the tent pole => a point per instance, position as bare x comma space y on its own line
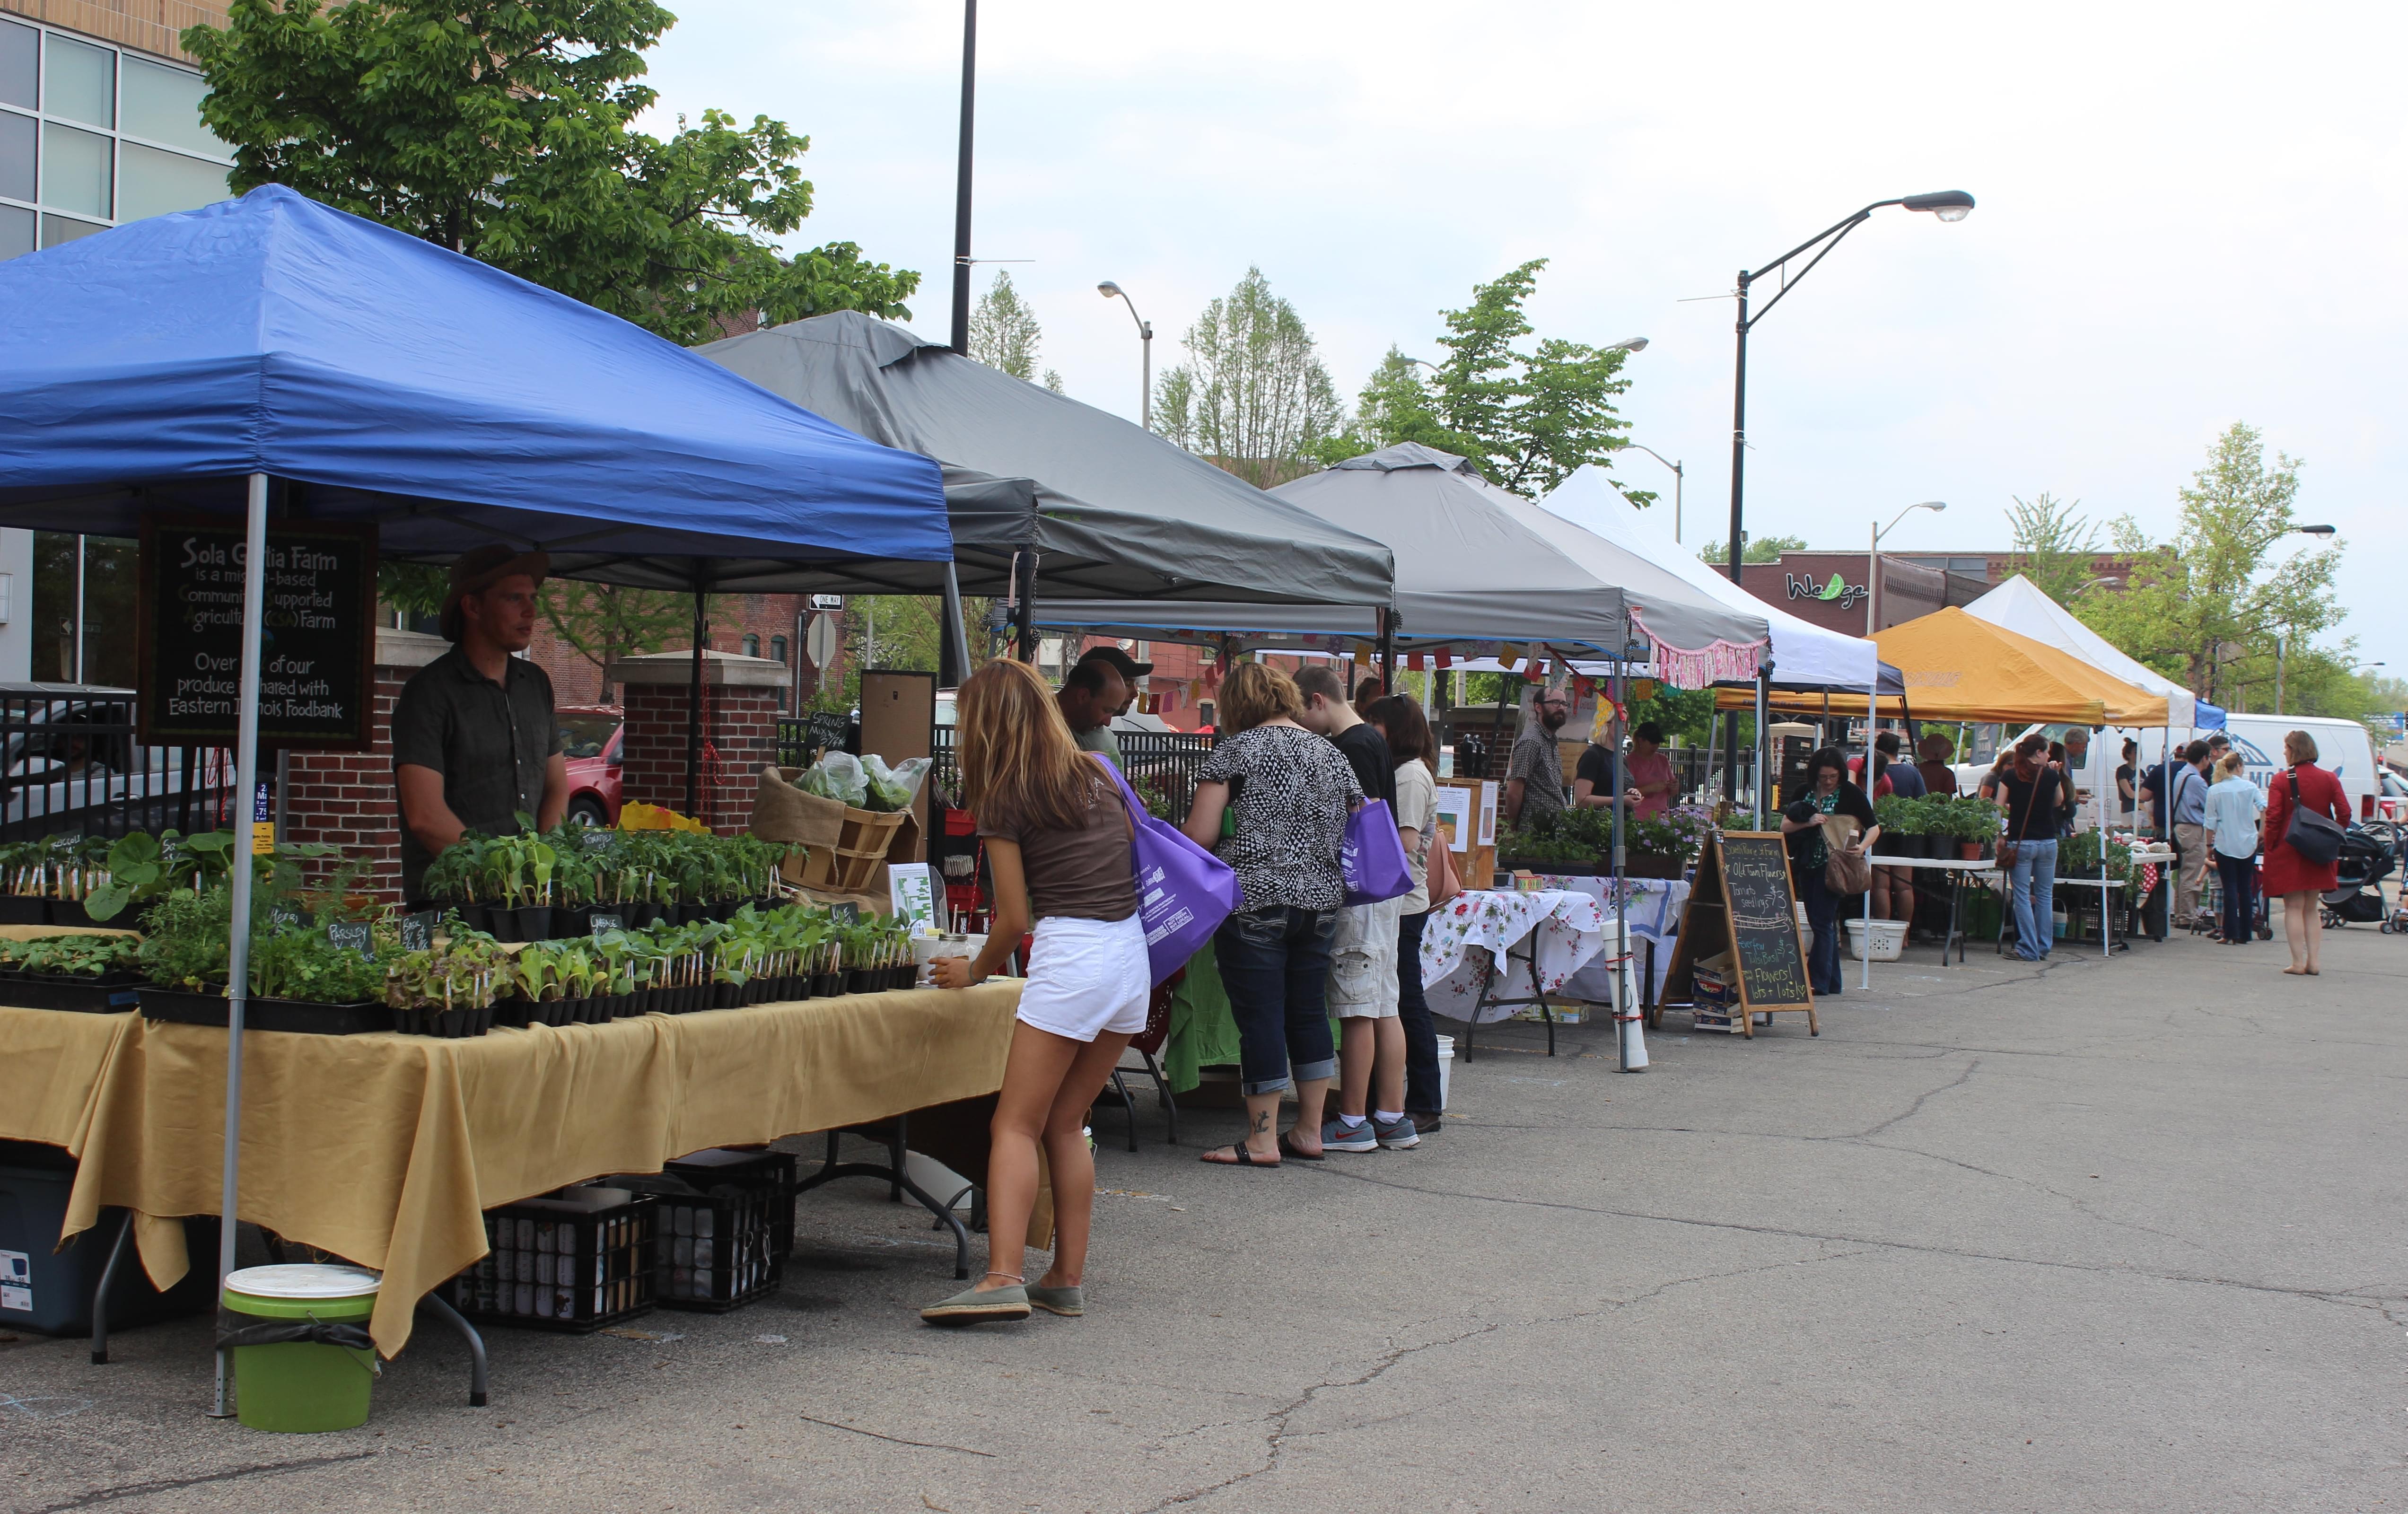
245, 785
1763, 743
693, 713
1024, 617
1872, 708
956, 644
1387, 653
1621, 897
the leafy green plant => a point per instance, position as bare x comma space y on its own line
72, 956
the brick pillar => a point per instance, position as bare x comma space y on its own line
346, 798
742, 697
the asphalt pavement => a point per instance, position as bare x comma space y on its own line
2072, 1237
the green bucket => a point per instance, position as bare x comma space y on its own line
302, 1386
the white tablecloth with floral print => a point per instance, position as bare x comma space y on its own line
1653, 906
1469, 933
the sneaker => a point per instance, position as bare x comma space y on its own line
1397, 1135
1424, 1122
1335, 1135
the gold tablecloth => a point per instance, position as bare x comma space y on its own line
387, 1148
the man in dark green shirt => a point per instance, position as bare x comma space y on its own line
474, 741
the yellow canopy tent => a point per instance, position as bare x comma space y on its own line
1960, 668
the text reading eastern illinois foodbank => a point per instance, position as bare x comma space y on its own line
208, 603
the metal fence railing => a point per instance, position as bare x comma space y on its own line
71, 764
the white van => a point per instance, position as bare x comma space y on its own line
2344, 748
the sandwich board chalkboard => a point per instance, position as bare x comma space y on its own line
1743, 903
317, 639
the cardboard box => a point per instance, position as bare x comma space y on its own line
1473, 803
848, 848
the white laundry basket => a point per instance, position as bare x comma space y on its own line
1889, 938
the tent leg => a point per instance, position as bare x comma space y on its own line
1387, 653
694, 712
1763, 743
1023, 617
246, 783
1872, 710
1621, 898
956, 635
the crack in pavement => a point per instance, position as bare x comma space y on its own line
2320, 1295
1278, 1435
1912, 1109
140, 1490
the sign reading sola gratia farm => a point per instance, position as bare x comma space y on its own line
317, 640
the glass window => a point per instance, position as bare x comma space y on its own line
58, 229
778, 648
751, 646
16, 231
16, 156
151, 183
19, 63
164, 104
80, 79
75, 170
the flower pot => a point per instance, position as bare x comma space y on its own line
726, 995
902, 975
860, 980
826, 985
1968, 851
69, 912
455, 1024
572, 922
535, 922
502, 924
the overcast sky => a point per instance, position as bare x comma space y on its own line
2188, 214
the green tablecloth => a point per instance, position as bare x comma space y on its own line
1203, 1033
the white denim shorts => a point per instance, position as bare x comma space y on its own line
1363, 961
1087, 977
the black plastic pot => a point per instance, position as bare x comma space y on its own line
69, 912
24, 910
860, 980
535, 922
572, 922
826, 985
726, 995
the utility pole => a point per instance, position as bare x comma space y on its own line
962, 181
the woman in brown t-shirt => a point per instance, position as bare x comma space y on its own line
1058, 849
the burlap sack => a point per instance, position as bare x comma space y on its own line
782, 812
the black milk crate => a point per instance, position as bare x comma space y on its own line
726, 1227
574, 1263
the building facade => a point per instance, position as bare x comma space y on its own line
1834, 590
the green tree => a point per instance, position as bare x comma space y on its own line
1253, 394
1394, 405
2056, 545
1759, 549
1526, 420
499, 129
2205, 608
1004, 333
604, 621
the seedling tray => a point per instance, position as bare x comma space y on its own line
112, 993
180, 1007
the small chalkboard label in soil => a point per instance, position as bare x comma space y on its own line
283, 916
845, 912
593, 840
317, 633
604, 924
418, 931
352, 934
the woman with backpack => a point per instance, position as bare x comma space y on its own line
2303, 790
1057, 836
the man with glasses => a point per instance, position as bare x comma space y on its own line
1534, 778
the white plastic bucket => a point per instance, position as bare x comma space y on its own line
1889, 938
1445, 1071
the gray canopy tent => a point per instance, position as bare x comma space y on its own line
1111, 510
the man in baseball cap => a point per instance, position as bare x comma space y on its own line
1100, 737
474, 741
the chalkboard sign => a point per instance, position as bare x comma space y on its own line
354, 935
418, 931
603, 924
1743, 905
316, 635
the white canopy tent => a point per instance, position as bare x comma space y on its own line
1803, 653
2019, 606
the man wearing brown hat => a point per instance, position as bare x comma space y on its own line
474, 742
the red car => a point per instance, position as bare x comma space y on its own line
594, 732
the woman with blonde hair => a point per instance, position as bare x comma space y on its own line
1058, 837
1286, 794
2303, 785
2233, 808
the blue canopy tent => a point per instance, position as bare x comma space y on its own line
271, 346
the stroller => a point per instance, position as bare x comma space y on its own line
2357, 899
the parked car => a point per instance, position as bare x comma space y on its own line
69, 765
594, 732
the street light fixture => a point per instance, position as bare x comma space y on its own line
1145, 342
2324, 531
1945, 205
1872, 561
1678, 475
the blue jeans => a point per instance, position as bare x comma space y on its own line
1823, 914
1275, 964
1421, 1031
2031, 883
2239, 875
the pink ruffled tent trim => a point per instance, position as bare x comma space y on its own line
1721, 661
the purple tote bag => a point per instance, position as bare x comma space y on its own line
1372, 858
1183, 892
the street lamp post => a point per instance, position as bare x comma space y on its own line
1872, 561
1947, 204
1145, 343
1678, 475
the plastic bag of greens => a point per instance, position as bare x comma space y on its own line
893, 788
837, 776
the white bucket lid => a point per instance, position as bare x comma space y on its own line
303, 1279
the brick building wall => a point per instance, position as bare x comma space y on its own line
346, 798
151, 26
743, 699
766, 618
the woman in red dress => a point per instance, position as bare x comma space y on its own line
2288, 874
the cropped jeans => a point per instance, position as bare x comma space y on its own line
1274, 962
2031, 883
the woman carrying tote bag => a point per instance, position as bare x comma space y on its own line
2296, 801
2033, 790
1829, 792
1058, 850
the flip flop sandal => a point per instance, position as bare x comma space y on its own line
1244, 1158
1289, 1149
